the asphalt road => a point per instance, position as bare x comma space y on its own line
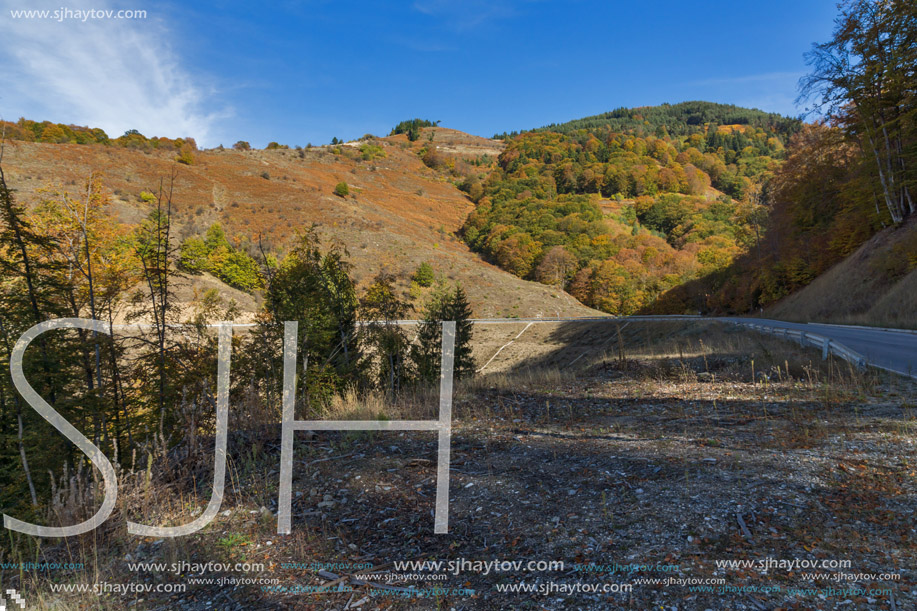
889, 349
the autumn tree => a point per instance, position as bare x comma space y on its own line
864, 78
382, 308
556, 267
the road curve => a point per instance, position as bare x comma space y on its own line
890, 349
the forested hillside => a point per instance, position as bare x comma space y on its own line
681, 119
846, 177
621, 207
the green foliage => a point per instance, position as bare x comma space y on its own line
194, 255
341, 189
424, 275
313, 286
382, 307
412, 128
240, 270
426, 352
654, 176
371, 151
214, 254
682, 119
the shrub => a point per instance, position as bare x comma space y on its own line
185, 155
242, 145
341, 189
423, 275
433, 158
213, 253
371, 151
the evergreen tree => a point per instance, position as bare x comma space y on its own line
458, 309
426, 353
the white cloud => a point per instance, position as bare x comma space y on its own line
117, 74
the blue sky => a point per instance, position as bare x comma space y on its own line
306, 71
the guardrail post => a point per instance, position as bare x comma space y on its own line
826, 349
802, 338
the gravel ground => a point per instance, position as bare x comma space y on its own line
645, 478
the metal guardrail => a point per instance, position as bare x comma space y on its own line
864, 327
609, 318
827, 345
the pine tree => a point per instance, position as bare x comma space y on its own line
459, 310
426, 353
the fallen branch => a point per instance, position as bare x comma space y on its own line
745, 531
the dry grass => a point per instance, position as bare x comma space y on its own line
401, 212
876, 285
631, 430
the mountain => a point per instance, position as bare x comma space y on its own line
825, 246
399, 212
619, 208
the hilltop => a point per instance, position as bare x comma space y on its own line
682, 119
690, 207
609, 211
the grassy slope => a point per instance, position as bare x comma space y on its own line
865, 288
399, 214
